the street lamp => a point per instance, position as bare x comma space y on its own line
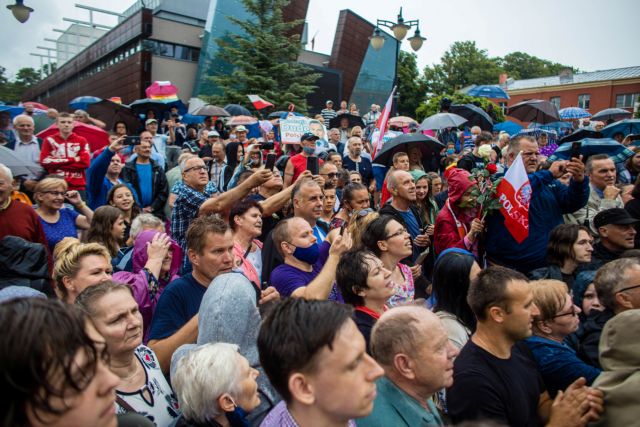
20, 11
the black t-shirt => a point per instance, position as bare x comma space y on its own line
503, 390
469, 162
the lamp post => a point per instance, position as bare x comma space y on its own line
399, 30
20, 11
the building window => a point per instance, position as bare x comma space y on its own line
627, 100
503, 107
583, 101
555, 100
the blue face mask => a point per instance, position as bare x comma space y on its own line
309, 150
450, 151
309, 255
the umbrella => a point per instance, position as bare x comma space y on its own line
35, 105
16, 164
242, 120
488, 91
579, 135
534, 110
162, 89
553, 125
237, 110
401, 121
190, 119
277, 115
475, 115
612, 114
83, 102
41, 122
141, 106
13, 110
590, 146
571, 113
96, 137
507, 126
111, 112
427, 144
625, 127
208, 110
353, 121
441, 121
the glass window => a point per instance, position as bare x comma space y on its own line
555, 100
182, 52
583, 101
627, 100
503, 107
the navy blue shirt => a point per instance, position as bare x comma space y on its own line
364, 167
145, 180
179, 302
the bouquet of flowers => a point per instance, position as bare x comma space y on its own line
485, 191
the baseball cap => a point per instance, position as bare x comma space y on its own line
213, 133
617, 216
149, 121
329, 101
309, 137
240, 128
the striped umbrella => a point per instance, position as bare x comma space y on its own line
571, 113
591, 146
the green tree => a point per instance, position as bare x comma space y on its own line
411, 86
264, 59
11, 90
520, 65
432, 106
462, 65
27, 77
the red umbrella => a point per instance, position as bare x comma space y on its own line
35, 105
96, 137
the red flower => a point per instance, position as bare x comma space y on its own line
492, 168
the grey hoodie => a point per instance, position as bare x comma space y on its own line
228, 313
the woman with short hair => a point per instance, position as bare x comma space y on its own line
214, 384
558, 363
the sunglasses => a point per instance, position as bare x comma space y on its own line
330, 175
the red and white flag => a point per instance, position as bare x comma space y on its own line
381, 124
258, 102
514, 194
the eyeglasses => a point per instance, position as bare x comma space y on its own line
572, 313
330, 175
400, 232
196, 168
55, 193
628, 288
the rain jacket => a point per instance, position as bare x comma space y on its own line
24, 263
142, 283
620, 379
229, 313
449, 234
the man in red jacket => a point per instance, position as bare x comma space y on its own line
66, 154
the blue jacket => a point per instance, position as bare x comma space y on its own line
98, 185
559, 364
549, 201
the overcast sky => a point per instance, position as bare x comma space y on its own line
588, 34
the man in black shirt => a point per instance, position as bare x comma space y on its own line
473, 160
494, 375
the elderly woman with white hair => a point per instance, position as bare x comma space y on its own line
215, 386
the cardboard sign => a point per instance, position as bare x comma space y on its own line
292, 128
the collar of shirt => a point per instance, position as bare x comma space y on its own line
34, 140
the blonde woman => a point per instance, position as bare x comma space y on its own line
58, 221
78, 266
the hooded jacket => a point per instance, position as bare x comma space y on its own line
447, 235
229, 313
139, 281
620, 379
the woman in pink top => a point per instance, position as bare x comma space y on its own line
245, 219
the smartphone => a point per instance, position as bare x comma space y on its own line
271, 161
342, 227
312, 165
132, 140
575, 149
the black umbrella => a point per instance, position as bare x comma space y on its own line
277, 115
534, 110
475, 115
111, 112
353, 121
237, 110
611, 114
209, 110
141, 106
579, 135
427, 144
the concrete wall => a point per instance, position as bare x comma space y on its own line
175, 32
182, 74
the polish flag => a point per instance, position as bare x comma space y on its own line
514, 194
382, 123
258, 102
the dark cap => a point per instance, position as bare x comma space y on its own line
309, 137
617, 216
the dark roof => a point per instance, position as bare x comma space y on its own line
592, 76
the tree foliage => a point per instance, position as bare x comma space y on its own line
432, 106
11, 90
411, 86
520, 65
264, 59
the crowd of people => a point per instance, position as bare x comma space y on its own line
179, 278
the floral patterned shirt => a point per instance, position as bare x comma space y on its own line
404, 292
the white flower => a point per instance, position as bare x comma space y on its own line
484, 151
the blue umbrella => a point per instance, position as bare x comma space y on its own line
13, 110
190, 119
488, 91
591, 146
570, 113
83, 102
624, 127
237, 110
507, 126
552, 136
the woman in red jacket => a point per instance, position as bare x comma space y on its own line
457, 225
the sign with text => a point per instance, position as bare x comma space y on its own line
292, 128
